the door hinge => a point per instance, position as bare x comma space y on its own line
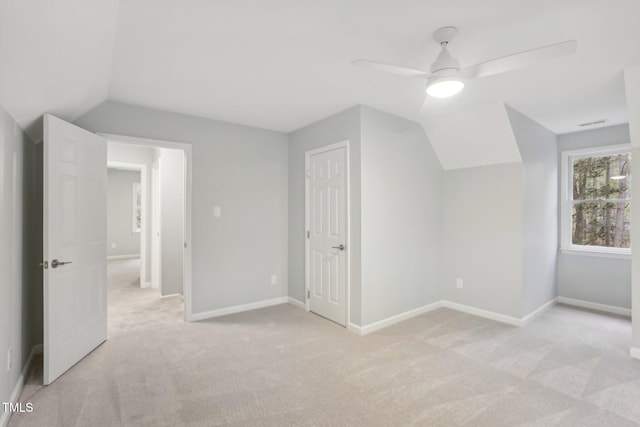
308, 234
308, 294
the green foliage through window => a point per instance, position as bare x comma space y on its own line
601, 201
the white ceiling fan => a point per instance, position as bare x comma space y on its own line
446, 78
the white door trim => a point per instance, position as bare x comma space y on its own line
307, 155
156, 224
187, 149
144, 211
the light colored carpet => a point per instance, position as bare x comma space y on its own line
282, 366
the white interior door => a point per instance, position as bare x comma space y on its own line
75, 247
327, 232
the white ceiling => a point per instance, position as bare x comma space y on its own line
282, 64
55, 56
461, 147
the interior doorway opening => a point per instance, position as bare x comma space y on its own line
157, 215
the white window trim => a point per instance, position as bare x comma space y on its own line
136, 186
566, 246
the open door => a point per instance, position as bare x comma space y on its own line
75, 258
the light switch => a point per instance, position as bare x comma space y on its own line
216, 212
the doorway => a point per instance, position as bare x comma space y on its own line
126, 214
327, 231
75, 241
157, 209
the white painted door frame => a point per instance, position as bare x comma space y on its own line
156, 225
144, 212
188, 158
307, 156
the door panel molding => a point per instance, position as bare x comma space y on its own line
75, 234
326, 265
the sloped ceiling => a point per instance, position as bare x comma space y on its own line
55, 56
282, 64
476, 137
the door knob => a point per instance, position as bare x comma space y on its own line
55, 263
341, 247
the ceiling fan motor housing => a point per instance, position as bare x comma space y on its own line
444, 61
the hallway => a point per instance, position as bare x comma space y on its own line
133, 309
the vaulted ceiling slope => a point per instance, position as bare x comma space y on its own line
282, 64
55, 56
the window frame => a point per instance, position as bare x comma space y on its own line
566, 204
136, 207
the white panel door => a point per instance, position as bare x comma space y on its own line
327, 232
75, 247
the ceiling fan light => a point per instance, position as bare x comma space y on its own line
444, 87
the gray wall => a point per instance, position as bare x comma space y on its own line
239, 168
401, 217
483, 237
172, 202
20, 297
119, 213
594, 279
339, 127
538, 148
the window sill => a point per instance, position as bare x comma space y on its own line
595, 253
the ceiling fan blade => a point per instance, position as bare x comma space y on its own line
520, 60
393, 69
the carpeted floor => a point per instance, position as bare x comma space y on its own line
281, 366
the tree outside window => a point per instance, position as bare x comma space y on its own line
600, 200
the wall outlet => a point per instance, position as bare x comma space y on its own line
113, 246
274, 279
217, 212
459, 284
9, 359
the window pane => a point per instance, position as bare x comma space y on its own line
602, 177
601, 224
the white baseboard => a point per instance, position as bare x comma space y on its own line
381, 324
117, 257
595, 306
352, 327
145, 285
15, 395
297, 303
238, 308
173, 296
634, 352
376, 326
537, 312
510, 320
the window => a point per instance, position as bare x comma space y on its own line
596, 200
137, 208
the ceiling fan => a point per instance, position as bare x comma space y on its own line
446, 78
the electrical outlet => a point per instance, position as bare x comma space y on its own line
113, 246
217, 212
274, 279
459, 284
9, 359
